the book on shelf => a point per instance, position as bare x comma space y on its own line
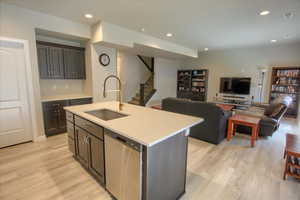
288, 72
284, 89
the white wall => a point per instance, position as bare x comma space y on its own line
165, 79
113, 34
99, 72
21, 23
132, 73
244, 62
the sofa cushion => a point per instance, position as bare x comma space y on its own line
277, 111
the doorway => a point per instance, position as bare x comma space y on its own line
15, 114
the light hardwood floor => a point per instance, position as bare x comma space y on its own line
229, 171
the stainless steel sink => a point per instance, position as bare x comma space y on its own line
106, 114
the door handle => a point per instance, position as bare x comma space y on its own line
87, 139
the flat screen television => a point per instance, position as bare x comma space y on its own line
240, 86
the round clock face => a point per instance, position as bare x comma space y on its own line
104, 59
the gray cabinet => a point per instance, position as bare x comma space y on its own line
55, 62
82, 146
96, 156
74, 61
43, 61
90, 148
74, 102
60, 62
55, 115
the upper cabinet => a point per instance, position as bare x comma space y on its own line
74, 64
60, 62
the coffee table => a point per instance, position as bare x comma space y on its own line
244, 120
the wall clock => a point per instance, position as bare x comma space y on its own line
104, 59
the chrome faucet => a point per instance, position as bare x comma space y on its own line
119, 91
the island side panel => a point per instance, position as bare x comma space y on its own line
164, 169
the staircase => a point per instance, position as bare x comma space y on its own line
146, 90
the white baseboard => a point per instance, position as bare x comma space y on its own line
39, 138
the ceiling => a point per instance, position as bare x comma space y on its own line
195, 23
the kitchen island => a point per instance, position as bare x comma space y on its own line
136, 153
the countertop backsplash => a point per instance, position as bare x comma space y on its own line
61, 87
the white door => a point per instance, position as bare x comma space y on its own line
14, 108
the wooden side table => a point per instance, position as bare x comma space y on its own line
244, 120
158, 107
292, 155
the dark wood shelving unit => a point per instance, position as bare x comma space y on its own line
286, 82
192, 84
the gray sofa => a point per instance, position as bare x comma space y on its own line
213, 129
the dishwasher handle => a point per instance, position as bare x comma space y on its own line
120, 139
126, 141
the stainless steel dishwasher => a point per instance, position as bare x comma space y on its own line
123, 167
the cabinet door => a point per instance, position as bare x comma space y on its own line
82, 146
72, 147
43, 61
96, 157
62, 121
74, 64
81, 64
56, 62
51, 118
54, 117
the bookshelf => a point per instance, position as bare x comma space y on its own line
285, 81
192, 84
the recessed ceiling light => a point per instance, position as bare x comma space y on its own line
169, 34
273, 41
205, 49
89, 16
142, 29
264, 13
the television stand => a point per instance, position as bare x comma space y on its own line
239, 102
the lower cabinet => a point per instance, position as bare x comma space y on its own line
82, 146
96, 156
90, 153
55, 115
72, 147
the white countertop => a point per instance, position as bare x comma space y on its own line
64, 97
146, 126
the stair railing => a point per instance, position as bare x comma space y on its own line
142, 94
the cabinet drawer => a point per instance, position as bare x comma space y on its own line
69, 116
89, 126
70, 130
74, 102
71, 143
